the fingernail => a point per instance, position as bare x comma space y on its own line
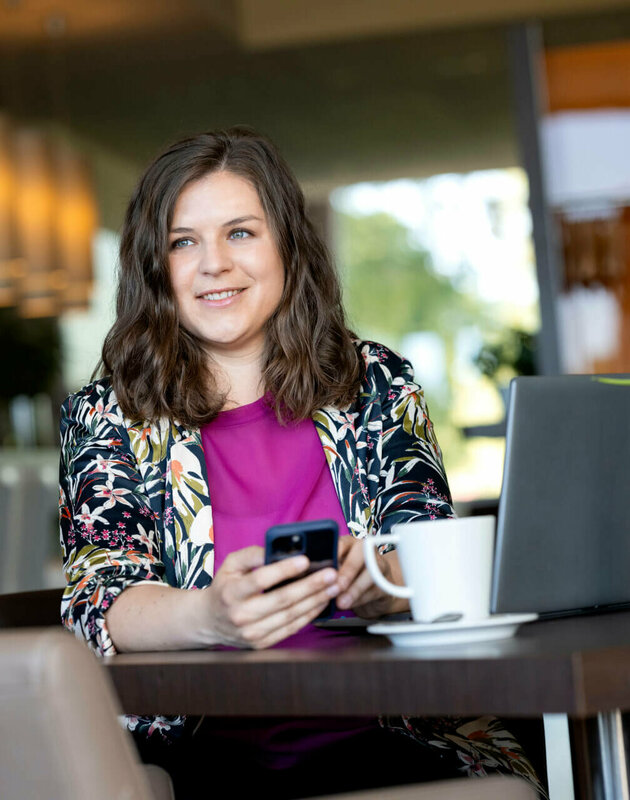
344, 601
329, 576
301, 563
332, 591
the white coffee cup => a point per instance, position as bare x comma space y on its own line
446, 565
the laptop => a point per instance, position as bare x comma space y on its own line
563, 527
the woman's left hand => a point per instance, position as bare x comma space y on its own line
357, 589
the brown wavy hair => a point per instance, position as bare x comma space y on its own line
160, 369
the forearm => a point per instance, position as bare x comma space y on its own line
157, 617
249, 604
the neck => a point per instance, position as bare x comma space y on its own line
239, 376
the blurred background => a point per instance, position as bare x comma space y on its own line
467, 163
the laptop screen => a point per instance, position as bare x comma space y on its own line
563, 530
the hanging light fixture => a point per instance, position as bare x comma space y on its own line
48, 218
35, 217
76, 220
11, 266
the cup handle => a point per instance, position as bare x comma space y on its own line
369, 543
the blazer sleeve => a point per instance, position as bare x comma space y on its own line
413, 484
110, 536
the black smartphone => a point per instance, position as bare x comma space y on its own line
316, 539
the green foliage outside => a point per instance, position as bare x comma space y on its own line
391, 290
390, 282
502, 359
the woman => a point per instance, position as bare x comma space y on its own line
234, 397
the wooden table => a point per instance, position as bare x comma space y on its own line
579, 666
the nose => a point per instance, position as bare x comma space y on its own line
215, 258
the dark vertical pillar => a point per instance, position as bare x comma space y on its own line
525, 42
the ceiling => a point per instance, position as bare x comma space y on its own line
260, 24
353, 90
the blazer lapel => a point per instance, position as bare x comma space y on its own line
172, 454
341, 439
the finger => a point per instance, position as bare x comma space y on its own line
371, 598
244, 560
283, 633
280, 634
286, 597
265, 577
352, 565
343, 545
289, 620
389, 567
358, 591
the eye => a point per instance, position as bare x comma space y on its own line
178, 244
240, 233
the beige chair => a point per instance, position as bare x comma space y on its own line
59, 732
497, 787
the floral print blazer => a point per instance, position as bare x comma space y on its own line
134, 499
135, 506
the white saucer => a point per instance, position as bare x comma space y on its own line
412, 634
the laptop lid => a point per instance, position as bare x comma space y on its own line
563, 529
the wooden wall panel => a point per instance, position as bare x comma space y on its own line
588, 76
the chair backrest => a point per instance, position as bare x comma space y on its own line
61, 739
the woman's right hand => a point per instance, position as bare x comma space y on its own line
237, 610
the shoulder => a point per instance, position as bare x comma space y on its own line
96, 400
97, 393
383, 366
96, 408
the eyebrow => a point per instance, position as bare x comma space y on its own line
240, 220
228, 224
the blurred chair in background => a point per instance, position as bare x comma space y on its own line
28, 522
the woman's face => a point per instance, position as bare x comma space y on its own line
226, 271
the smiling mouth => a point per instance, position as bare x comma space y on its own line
220, 295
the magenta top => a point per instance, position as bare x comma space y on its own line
260, 474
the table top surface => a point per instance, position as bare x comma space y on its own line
575, 665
